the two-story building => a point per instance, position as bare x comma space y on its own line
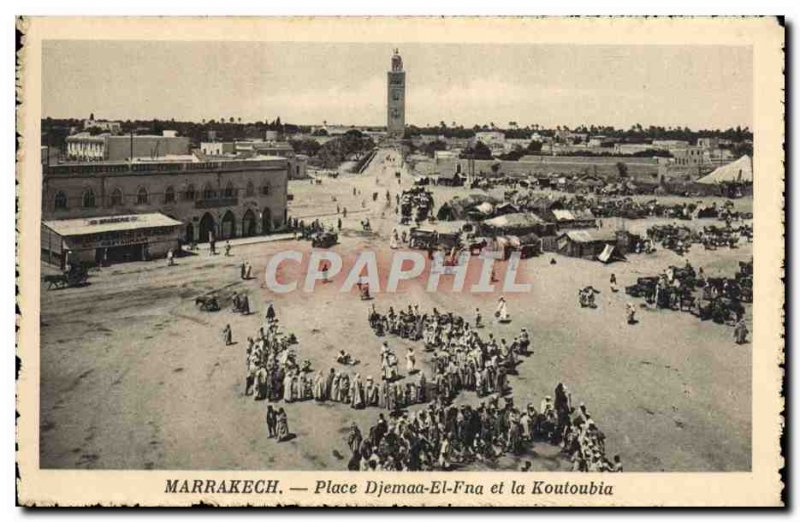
217, 199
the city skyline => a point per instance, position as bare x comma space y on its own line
697, 87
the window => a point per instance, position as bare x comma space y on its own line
208, 192
61, 201
251, 190
229, 190
189, 194
88, 199
116, 198
265, 190
169, 195
141, 196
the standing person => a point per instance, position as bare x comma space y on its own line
354, 438
170, 257
245, 305
212, 244
339, 223
613, 282
502, 310
242, 270
227, 335
227, 248
282, 425
411, 361
478, 318
262, 377
319, 387
270, 313
325, 267
740, 332
287, 387
272, 421
250, 380
631, 312
248, 272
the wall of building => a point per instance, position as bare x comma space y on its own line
244, 212
646, 168
118, 148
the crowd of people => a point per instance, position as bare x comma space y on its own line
440, 435
462, 359
445, 437
709, 298
274, 374
415, 203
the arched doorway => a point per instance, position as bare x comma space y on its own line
228, 228
266, 221
207, 226
249, 223
189, 233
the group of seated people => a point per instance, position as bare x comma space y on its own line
442, 436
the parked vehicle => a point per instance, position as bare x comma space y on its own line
324, 239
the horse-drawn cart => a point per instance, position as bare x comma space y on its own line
77, 275
324, 239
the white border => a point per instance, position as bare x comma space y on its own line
788, 8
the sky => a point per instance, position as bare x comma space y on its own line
308, 83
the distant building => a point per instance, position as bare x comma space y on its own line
107, 147
113, 127
708, 143
689, 156
396, 97
669, 145
492, 139
298, 164
631, 148
512, 143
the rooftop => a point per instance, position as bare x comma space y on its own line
103, 224
180, 163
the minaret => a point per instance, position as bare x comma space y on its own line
396, 100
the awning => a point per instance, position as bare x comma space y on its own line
609, 254
104, 224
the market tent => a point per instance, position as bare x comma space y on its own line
485, 208
739, 171
462, 208
610, 254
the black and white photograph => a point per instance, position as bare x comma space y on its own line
405, 258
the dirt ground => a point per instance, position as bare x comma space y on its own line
134, 376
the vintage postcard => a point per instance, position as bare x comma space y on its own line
400, 261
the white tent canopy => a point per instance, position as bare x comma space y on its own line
610, 254
739, 171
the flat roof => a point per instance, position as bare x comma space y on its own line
102, 224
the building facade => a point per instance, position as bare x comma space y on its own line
298, 163
106, 147
396, 99
689, 156
223, 199
114, 127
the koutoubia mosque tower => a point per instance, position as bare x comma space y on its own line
396, 101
